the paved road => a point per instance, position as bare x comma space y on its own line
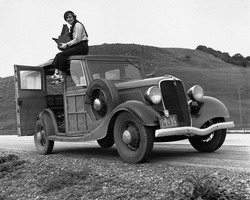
234, 154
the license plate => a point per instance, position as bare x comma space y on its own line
167, 122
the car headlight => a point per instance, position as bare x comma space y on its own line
153, 95
195, 93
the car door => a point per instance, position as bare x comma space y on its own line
30, 97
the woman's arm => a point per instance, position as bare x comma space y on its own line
77, 34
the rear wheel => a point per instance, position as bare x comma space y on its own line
211, 142
133, 140
43, 145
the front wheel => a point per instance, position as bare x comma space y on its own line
211, 142
43, 145
133, 140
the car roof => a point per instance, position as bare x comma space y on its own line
48, 64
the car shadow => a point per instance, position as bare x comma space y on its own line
161, 152
87, 152
172, 153
177, 152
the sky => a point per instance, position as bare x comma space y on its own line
27, 26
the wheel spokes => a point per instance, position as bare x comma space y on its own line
209, 137
131, 136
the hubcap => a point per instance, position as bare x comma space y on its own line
126, 136
41, 137
97, 105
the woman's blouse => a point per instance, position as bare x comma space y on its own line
79, 34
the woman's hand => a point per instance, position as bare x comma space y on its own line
63, 46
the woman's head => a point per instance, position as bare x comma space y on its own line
69, 17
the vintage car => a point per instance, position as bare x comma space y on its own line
109, 99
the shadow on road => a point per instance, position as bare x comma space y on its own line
159, 153
88, 152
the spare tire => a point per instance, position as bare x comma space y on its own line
102, 97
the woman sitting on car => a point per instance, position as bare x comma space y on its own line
78, 45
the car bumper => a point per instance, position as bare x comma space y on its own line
191, 131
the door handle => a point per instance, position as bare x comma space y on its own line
19, 102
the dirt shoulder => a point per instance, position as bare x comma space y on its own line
32, 176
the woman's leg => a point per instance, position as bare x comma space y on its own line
60, 60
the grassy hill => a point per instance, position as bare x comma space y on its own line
7, 105
227, 82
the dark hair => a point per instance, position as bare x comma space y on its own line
68, 13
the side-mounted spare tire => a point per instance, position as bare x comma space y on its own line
102, 97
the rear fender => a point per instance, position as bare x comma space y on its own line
48, 118
209, 108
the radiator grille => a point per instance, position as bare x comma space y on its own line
174, 100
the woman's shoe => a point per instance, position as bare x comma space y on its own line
56, 76
57, 81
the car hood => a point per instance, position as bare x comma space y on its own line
143, 82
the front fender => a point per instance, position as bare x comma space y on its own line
145, 113
210, 107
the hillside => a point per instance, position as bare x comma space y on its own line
222, 80
236, 59
7, 105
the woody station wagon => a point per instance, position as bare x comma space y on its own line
109, 99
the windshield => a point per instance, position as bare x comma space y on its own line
115, 71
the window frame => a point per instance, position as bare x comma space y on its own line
21, 78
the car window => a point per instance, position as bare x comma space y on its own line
77, 73
132, 72
113, 74
114, 71
30, 80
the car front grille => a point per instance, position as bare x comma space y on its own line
175, 101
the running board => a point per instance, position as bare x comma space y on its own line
79, 138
